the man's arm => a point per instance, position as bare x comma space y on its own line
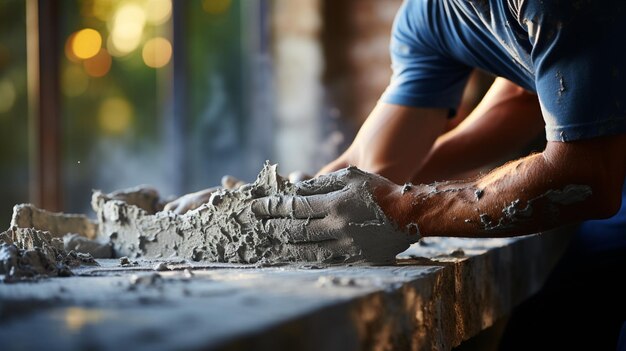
567, 182
506, 120
393, 141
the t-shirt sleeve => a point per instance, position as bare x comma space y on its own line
423, 75
579, 57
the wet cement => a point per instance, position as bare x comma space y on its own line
131, 224
57, 224
27, 253
79, 243
42, 244
227, 229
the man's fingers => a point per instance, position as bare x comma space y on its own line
178, 207
169, 207
298, 207
190, 201
323, 184
172, 205
185, 207
316, 230
297, 231
229, 182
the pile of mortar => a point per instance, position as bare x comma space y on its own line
131, 223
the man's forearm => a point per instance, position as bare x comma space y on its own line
393, 141
562, 185
505, 121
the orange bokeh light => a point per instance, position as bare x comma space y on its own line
157, 52
86, 43
69, 53
98, 65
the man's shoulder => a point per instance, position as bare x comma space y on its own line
432, 17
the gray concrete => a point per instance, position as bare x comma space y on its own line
432, 302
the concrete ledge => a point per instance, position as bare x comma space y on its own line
438, 295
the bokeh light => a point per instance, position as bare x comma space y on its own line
127, 28
86, 43
102, 9
7, 95
115, 115
158, 11
215, 7
74, 81
77, 318
112, 50
157, 52
69, 51
99, 65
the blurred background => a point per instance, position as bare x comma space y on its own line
106, 94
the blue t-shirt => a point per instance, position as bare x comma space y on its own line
572, 53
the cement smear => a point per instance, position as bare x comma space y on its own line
58, 224
514, 213
46, 244
227, 230
78, 243
140, 196
27, 253
331, 219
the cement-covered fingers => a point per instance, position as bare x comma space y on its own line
334, 211
338, 180
315, 198
347, 190
331, 182
295, 207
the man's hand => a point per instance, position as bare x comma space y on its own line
339, 211
194, 200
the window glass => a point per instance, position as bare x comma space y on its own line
13, 108
131, 116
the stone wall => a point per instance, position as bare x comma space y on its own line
356, 50
298, 64
332, 64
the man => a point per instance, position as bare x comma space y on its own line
572, 55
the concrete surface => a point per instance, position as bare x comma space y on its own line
437, 295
